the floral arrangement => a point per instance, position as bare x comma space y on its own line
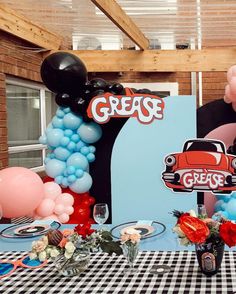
68, 241
193, 229
130, 237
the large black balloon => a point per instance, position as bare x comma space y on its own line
64, 72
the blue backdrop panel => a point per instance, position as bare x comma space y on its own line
137, 164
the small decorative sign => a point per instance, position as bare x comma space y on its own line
145, 107
203, 165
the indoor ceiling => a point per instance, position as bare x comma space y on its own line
165, 22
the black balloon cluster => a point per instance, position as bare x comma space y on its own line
66, 75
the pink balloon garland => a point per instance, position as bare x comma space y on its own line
230, 89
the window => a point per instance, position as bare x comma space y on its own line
30, 107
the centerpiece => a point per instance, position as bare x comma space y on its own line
208, 235
70, 249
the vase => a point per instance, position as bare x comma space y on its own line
209, 256
73, 266
130, 252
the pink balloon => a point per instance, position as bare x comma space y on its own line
230, 96
63, 218
231, 72
21, 191
51, 217
69, 210
232, 85
65, 198
59, 209
52, 190
46, 207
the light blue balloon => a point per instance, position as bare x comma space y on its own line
92, 149
224, 214
60, 113
84, 150
75, 138
83, 184
66, 110
55, 168
90, 132
79, 173
54, 137
218, 205
46, 160
58, 180
57, 122
52, 156
64, 141
65, 174
72, 121
49, 127
62, 153
233, 195
70, 170
71, 146
78, 161
79, 145
68, 133
71, 179
91, 157
64, 182
43, 139
230, 207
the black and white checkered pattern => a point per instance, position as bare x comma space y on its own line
105, 275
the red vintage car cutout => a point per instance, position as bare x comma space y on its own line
202, 166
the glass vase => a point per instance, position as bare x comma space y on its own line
73, 266
209, 256
130, 252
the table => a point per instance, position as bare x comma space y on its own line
105, 275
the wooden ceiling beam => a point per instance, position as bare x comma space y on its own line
118, 16
211, 59
21, 27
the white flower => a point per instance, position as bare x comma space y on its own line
33, 255
184, 241
178, 231
67, 255
192, 213
54, 253
42, 256
48, 250
70, 247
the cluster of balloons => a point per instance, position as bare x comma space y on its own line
23, 193
55, 204
66, 75
68, 138
226, 206
82, 205
230, 89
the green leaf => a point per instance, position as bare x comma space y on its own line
106, 235
111, 247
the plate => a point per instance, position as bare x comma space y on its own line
32, 230
143, 230
28, 230
147, 231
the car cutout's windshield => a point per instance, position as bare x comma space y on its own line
203, 146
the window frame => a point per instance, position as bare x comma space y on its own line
42, 93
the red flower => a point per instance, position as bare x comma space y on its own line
194, 228
228, 233
84, 230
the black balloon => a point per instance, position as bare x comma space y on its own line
117, 88
97, 84
64, 72
63, 100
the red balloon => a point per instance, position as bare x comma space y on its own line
47, 179
91, 200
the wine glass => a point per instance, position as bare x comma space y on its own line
100, 213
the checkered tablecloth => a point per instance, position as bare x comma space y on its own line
105, 275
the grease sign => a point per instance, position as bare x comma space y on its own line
144, 107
